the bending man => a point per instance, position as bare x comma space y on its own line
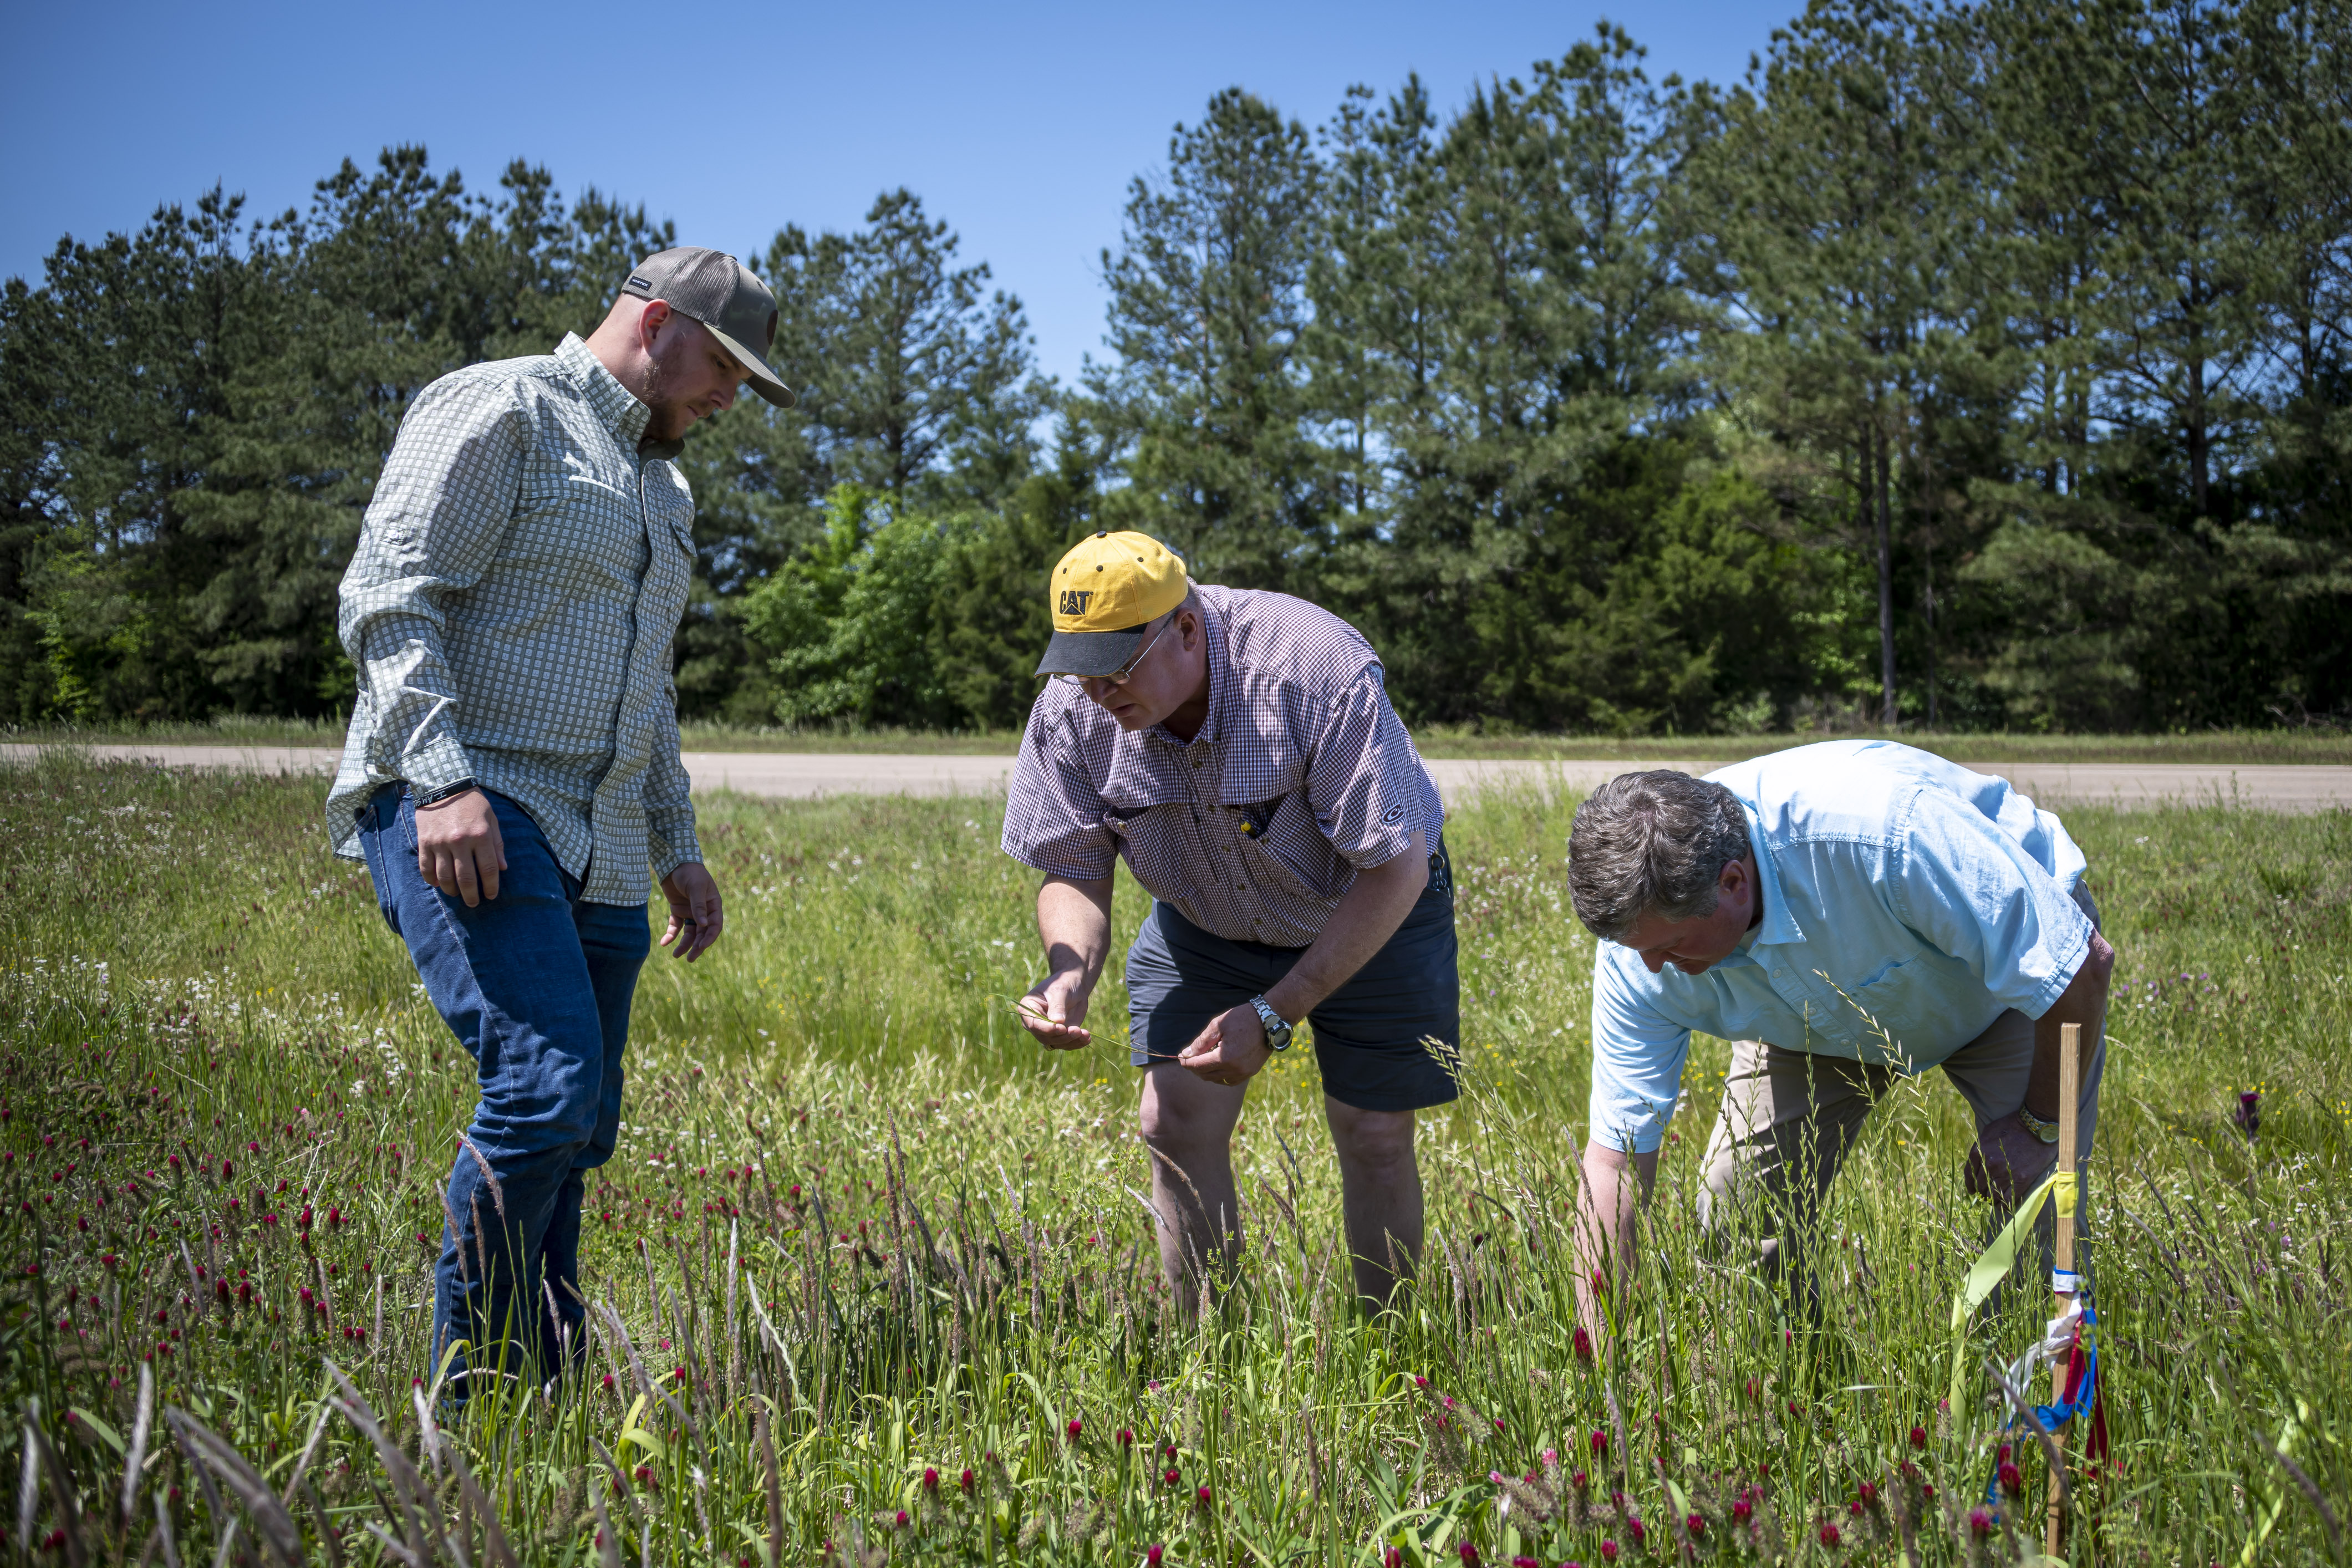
512, 776
1844, 913
1238, 749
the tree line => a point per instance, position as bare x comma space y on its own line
1970, 365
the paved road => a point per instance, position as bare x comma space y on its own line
808, 775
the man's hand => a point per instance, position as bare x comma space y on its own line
459, 850
1055, 1007
1614, 1186
2008, 1161
1074, 923
695, 918
1231, 1049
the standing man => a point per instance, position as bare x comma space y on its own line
1238, 749
1845, 913
512, 778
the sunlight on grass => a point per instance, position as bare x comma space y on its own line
854, 1206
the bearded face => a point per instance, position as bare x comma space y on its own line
688, 377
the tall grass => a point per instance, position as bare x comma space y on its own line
873, 1277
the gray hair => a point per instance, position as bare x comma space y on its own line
1652, 843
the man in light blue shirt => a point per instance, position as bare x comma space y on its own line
1844, 913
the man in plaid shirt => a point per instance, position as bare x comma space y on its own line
511, 776
1238, 749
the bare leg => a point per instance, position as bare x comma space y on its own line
1380, 1195
1188, 1125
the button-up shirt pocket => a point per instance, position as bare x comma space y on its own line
1290, 854
1872, 1014
1161, 847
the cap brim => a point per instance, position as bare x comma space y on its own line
764, 382
1091, 654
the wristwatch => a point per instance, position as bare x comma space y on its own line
2045, 1130
446, 792
1277, 1029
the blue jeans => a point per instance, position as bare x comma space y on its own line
536, 984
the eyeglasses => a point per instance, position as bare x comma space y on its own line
1125, 672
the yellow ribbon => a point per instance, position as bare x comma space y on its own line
1994, 1265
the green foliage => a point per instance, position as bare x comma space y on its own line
1980, 365
907, 617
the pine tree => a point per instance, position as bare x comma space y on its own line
1208, 307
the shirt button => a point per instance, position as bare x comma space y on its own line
1779, 973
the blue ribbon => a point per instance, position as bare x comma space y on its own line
2053, 1416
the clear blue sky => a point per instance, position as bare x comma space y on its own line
1021, 124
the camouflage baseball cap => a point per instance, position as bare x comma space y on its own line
721, 292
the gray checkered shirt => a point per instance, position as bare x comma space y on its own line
1253, 829
518, 578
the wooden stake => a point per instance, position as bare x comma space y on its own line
2070, 1094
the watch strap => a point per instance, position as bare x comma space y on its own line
1277, 1028
2045, 1130
448, 791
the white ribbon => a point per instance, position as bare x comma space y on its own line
2057, 1340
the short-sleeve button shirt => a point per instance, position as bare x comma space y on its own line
520, 574
1301, 774
1908, 902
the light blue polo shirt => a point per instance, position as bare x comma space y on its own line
1908, 903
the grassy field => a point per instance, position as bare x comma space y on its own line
858, 1223
2210, 747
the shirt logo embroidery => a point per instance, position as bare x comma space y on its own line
1391, 817
1074, 600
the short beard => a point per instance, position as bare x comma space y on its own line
668, 423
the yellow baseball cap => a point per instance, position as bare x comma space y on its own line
1104, 593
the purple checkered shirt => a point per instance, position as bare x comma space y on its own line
1301, 774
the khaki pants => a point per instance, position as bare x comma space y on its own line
1790, 1117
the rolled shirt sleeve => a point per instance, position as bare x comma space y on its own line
1052, 813
1637, 1058
1365, 780
1972, 891
446, 501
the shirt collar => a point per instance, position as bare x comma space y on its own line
1778, 924
620, 410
